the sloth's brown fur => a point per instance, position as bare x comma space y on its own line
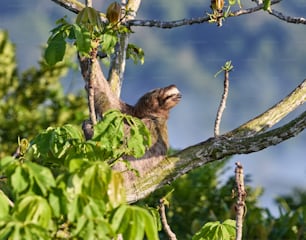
153, 109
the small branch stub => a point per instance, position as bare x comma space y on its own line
240, 204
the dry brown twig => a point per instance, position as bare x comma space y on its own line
240, 206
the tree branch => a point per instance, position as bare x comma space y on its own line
289, 19
226, 145
76, 7
71, 5
191, 21
273, 115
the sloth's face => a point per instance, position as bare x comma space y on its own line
158, 102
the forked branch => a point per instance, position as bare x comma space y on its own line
213, 149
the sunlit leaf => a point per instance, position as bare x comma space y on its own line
267, 5
42, 176
134, 222
232, 2
97, 179
83, 39
109, 40
4, 204
20, 179
217, 231
34, 209
116, 190
135, 53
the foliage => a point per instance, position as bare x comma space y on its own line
217, 231
88, 34
199, 201
63, 187
33, 100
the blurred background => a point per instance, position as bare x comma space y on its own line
268, 57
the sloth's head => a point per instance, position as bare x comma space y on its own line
158, 102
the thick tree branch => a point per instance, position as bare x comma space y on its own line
273, 115
210, 150
245, 139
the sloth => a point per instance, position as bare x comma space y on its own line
153, 109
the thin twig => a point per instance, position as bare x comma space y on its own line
288, 19
227, 68
240, 204
163, 217
191, 21
76, 7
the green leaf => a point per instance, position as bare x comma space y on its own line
55, 50
110, 132
217, 231
135, 53
75, 207
42, 177
116, 190
57, 141
267, 5
34, 209
8, 165
20, 179
4, 204
97, 179
89, 18
139, 139
133, 222
232, 2
58, 202
109, 40
83, 39
118, 216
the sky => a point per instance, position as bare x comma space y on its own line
269, 62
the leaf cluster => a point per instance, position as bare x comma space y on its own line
33, 100
63, 186
89, 35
